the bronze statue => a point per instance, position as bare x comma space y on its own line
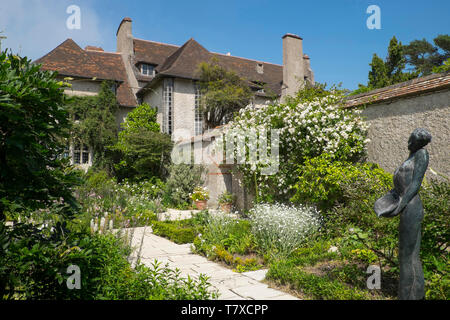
404, 200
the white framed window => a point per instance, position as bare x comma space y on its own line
168, 106
147, 69
80, 153
198, 117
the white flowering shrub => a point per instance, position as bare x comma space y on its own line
310, 124
281, 229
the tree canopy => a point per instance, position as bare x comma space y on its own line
144, 149
223, 93
33, 119
405, 62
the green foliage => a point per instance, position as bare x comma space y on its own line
391, 71
445, 67
309, 124
233, 235
143, 150
426, 58
143, 116
183, 178
199, 194
38, 268
95, 124
314, 286
420, 55
223, 93
182, 231
33, 121
322, 180
226, 197
145, 154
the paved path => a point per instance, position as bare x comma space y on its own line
231, 285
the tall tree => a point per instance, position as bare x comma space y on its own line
33, 119
422, 56
378, 75
144, 150
223, 93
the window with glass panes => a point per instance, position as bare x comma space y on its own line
198, 121
147, 69
168, 105
80, 153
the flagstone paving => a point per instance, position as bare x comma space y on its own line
230, 285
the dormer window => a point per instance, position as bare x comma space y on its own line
147, 69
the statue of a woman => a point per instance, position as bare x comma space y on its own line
404, 200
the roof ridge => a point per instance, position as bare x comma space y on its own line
59, 45
174, 57
225, 55
157, 42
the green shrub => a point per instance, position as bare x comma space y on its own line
177, 231
183, 178
314, 286
36, 266
279, 229
326, 181
311, 123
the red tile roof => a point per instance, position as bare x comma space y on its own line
69, 59
183, 61
434, 82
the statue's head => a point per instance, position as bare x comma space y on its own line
419, 138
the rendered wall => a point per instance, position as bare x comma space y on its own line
392, 123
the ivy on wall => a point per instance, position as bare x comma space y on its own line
94, 123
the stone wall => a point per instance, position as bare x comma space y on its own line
83, 88
391, 124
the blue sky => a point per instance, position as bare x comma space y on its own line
334, 32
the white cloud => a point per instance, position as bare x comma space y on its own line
35, 27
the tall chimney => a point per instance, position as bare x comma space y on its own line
125, 37
293, 66
125, 46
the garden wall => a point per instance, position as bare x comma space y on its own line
394, 112
392, 123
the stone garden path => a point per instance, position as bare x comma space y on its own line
231, 285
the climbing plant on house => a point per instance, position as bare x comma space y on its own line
95, 124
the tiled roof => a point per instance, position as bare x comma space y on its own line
152, 52
69, 59
183, 61
413, 87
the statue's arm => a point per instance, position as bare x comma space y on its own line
421, 159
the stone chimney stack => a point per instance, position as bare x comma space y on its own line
125, 37
293, 64
125, 46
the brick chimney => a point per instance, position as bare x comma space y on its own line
293, 64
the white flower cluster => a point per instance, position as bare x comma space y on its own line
305, 130
283, 228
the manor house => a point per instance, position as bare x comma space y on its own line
165, 76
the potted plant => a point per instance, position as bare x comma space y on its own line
226, 200
200, 197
